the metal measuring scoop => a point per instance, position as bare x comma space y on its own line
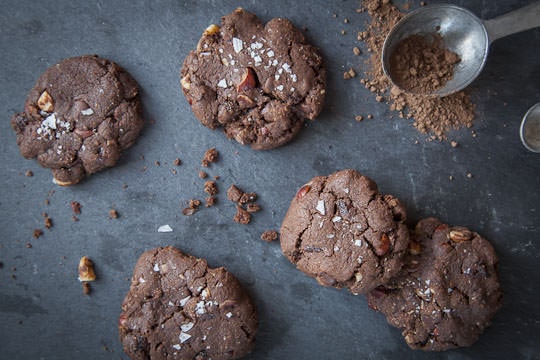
463, 33
530, 129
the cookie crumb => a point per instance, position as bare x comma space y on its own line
269, 235
469, 175
86, 288
74, 218
113, 214
48, 222
37, 233
356, 50
76, 207
252, 207
450, 178
370, 116
28, 245
29, 173
234, 193
210, 187
177, 162
192, 208
242, 216
349, 74
454, 144
158, 163
203, 175
210, 201
358, 118
210, 156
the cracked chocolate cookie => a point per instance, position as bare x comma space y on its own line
257, 81
179, 308
340, 230
448, 290
78, 118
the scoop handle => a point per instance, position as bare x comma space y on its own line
525, 18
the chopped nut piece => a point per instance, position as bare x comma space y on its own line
193, 207
48, 222
359, 118
45, 102
269, 235
210, 201
248, 81
356, 50
460, 235
37, 233
203, 175
29, 173
210, 156
86, 288
185, 82
211, 30
242, 216
383, 246
177, 162
303, 191
86, 270
454, 144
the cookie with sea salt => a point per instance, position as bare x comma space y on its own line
179, 308
79, 117
259, 82
342, 231
448, 290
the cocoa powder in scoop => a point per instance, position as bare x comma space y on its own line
433, 115
421, 64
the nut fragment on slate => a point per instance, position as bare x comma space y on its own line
269, 235
86, 270
210, 156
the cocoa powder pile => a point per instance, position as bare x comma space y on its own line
433, 115
421, 64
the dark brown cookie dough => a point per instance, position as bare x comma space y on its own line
340, 230
179, 308
448, 290
257, 81
79, 117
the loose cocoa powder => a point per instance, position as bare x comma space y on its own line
433, 115
421, 64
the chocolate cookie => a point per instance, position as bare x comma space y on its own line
340, 230
448, 290
179, 308
258, 81
78, 118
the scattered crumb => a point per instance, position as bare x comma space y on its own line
242, 216
203, 175
29, 173
450, 178
358, 118
74, 218
86, 288
252, 207
210, 156
370, 116
247, 198
47, 202
158, 163
28, 245
37, 233
113, 214
192, 208
76, 207
48, 222
86, 269
269, 235
356, 50
454, 144
234, 193
177, 162
346, 21
469, 175
210, 201
210, 187
124, 186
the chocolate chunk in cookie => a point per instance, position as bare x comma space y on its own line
257, 81
79, 117
343, 232
448, 290
179, 308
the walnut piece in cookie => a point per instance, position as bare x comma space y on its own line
448, 290
340, 230
179, 308
257, 81
79, 117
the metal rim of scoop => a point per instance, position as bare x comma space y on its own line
524, 121
450, 88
